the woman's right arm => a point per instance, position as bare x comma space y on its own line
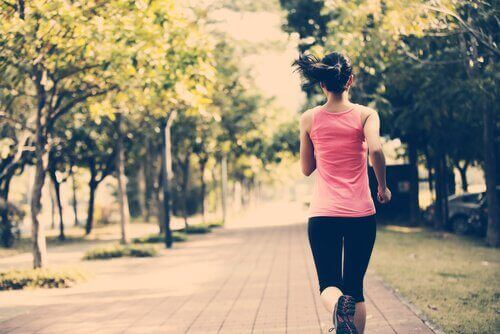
307, 159
372, 134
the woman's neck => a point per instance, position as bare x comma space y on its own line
337, 100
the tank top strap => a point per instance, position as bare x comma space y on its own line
314, 120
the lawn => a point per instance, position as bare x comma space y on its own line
453, 280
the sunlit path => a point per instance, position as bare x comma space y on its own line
269, 213
252, 280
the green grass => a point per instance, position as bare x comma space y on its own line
104, 253
39, 278
453, 280
216, 224
158, 238
197, 229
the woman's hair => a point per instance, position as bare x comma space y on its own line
333, 70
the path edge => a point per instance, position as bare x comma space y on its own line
421, 315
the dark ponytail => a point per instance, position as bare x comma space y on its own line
333, 71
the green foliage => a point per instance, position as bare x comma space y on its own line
103, 253
251, 5
159, 238
412, 63
9, 227
197, 229
216, 224
39, 278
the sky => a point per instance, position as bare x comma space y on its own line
271, 66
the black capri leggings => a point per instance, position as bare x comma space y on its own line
325, 237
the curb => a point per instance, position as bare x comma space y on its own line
432, 325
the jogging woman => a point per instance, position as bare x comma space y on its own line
334, 140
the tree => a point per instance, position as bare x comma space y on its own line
92, 144
66, 53
413, 60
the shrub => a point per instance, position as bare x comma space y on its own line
158, 238
41, 278
197, 229
216, 224
104, 253
11, 217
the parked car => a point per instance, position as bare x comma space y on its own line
478, 219
460, 209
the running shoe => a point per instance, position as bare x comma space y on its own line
343, 315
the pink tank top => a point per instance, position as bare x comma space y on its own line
341, 188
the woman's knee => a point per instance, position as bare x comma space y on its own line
326, 287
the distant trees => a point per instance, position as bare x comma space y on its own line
429, 68
141, 91
56, 53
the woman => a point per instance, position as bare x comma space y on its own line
334, 140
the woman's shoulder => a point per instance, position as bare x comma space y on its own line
364, 111
307, 117
310, 112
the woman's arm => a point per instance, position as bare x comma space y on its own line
372, 134
307, 160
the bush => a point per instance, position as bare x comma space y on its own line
197, 229
215, 224
39, 278
104, 253
158, 238
11, 217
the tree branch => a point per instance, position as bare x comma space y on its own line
470, 29
70, 104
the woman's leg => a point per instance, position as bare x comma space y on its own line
329, 297
325, 240
360, 317
359, 239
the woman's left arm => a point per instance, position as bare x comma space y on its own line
307, 160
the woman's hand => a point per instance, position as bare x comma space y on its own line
384, 195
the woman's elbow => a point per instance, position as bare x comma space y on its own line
376, 150
307, 170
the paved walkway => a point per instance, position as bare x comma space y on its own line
252, 280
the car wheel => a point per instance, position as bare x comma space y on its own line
460, 225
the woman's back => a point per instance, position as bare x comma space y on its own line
341, 187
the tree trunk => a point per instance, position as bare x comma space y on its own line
122, 183
463, 175
429, 164
441, 216
52, 207
57, 191
37, 230
75, 202
90, 209
203, 164
7, 236
185, 187
166, 156
148, 180
158, 197
224, 188
490, 170
414, 203
41, 158
217, 196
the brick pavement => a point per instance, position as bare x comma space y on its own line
253, 280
